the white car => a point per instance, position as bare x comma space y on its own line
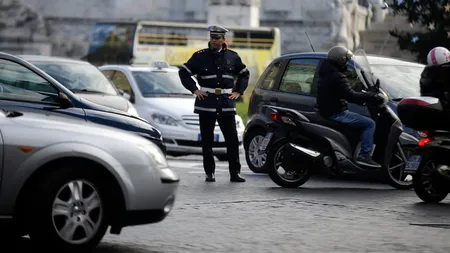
158, 95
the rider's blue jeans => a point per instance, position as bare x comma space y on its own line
359, 121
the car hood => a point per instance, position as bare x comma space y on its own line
175, 106
71, 127
114, 101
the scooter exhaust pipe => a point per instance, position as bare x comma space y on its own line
305, 150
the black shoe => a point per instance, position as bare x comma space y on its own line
237, 179
210, 177
367, 162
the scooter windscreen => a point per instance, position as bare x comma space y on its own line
362, 67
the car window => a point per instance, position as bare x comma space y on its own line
108, 73
399, 81
121, 81
20, 83
78, 77
159, 82
299, 76
269, 79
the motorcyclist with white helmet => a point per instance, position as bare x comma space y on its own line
435, 78
333, 92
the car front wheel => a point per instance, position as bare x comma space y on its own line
68, 211
255, 157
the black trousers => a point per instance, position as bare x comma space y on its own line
227, 124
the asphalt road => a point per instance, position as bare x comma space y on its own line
258, 216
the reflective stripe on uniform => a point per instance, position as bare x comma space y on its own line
242, 71
228, 109
208, 77
188, 70
205, 109
215, 76
212, 90
228, 76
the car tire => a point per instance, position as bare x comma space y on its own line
76, 215
255, 136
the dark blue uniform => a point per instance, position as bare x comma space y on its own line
215, 71
219, 73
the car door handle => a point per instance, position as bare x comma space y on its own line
272, 99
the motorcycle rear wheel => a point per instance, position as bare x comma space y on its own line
423, 180
274, 158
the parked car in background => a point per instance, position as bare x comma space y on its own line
65, 181
23, 86
290, 81
160, 97
84, 80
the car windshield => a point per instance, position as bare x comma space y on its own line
159, 83
399, 81
78, 77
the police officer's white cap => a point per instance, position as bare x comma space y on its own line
217, 31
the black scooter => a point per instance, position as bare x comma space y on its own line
301, 143
432, 178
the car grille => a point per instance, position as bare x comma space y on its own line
192, 121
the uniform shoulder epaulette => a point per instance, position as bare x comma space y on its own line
200, 51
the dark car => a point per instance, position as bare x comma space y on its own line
83, 79
23, 86
290, 81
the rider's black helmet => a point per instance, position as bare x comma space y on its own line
339, 56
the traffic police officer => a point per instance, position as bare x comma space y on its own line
217, 68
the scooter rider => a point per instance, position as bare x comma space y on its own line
435, 77
333, 92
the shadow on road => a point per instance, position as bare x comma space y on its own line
25, 245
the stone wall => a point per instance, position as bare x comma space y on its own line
22, 29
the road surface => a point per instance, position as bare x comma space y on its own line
258, 216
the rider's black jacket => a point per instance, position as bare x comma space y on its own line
435, 82
333, 91
215, 70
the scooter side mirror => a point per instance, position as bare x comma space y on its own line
377, 84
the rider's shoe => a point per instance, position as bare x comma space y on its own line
367, 161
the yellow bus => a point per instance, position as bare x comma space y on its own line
142, 42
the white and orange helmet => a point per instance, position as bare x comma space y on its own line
438, 56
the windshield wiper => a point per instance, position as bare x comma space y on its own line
86, 90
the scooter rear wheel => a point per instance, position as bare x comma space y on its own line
288, 179
425, 185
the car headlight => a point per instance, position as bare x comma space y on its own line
155, 154
164, 119
132, 111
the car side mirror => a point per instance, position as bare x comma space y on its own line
131, 98
64, 100
121, 92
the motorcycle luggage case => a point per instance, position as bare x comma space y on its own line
422, 113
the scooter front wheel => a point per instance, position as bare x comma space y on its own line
286, 178
425, 183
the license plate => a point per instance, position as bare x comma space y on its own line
413, 163
266, 140
216, 137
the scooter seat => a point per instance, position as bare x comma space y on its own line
316, 118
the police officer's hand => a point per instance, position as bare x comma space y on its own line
235, 95
201, 94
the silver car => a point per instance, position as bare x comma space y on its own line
64, 180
